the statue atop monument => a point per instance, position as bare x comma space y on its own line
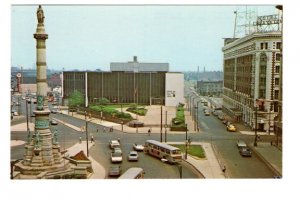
40, 15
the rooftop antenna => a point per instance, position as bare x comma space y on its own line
245, 16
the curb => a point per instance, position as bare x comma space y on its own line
186, 161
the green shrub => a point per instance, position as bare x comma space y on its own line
103, 101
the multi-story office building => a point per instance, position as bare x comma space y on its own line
132, 82
252, 78
207, 88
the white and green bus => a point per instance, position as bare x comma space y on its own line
133, 173
163, 151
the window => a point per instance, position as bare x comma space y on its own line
276, 81
276, 96
278, 57
261, 45
266, 45
277, 68
278, 45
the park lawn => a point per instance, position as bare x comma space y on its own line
194, 150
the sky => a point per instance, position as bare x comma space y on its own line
91, 37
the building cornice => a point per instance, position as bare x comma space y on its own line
251, 37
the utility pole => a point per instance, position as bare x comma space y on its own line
186, 141
255, 138
166, 125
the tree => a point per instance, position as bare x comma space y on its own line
76, 99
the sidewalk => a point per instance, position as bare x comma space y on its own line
209, 167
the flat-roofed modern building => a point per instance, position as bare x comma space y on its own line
130, 82
251, 78
206, 88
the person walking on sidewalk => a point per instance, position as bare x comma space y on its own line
80, 140
92, 139
149, 131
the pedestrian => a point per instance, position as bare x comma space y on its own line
80, 140
149, 131
92, 139
104, 130
224, 169
119, 140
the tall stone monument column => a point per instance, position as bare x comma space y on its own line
41, 36
42, 151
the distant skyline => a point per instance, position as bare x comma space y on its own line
90, 37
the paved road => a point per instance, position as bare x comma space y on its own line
153, 167
213, 130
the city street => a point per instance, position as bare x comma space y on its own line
213, 130
153, 167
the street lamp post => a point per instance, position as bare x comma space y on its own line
166, 125
195, 121
86, 135
186, 141
197, 115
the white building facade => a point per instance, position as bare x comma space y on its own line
251, 78
174, 89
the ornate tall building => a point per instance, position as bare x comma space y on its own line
252, 78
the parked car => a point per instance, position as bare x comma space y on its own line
53, 111
116, 156
231, 128
114, 143
133, 156
115, 170
53, 122
138, 147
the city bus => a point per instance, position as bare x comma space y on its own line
163, 150
133, 173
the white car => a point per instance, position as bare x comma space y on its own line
133, 156
116, 155
138, 147
114, 143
